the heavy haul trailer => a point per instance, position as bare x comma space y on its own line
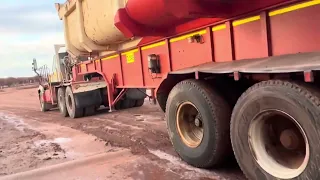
229, 75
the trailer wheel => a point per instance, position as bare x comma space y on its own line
73, 111
96, 108
62, 102
139, 103
118, 105
44, 107
274, 131
127, 103
198, 123
89, 111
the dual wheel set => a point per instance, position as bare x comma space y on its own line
67, 104
273, 130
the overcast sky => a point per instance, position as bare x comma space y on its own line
28, 29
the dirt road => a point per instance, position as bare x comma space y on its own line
128, 144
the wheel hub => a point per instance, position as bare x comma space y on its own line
198, 122
279, 144
189, 124
289, 139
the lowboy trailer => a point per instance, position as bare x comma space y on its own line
231, 76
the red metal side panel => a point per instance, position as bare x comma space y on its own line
132, 68
185, 54
112, 65
295, 31
222, 48
75, 73
98, 64
161, 49
83, 68
248, 38
91, 66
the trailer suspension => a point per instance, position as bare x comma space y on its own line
120, 95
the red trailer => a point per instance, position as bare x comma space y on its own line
229, 75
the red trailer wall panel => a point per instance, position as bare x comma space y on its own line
222, 46
185, 54
248, 38
132, 68
296, 31
161, 49
83, 68
91, 67
111, 65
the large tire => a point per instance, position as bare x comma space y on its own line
213, 113
62, 101
124, 104
127, 103
73, 111
89, 111
139, 103
44, 107
263, 115
118, 105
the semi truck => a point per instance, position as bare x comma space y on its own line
232, 77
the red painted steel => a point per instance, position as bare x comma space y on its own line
91, 67
185, 54
265, 35
150, 79
222, 47
120, 95
113, 66
308, 76
151, 17
297, 31
248, 40
132, 71
162, 17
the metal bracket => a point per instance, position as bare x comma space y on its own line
236, 76
123, 91
308, 76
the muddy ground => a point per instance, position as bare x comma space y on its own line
127, 144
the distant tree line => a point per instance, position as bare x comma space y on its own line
12, 81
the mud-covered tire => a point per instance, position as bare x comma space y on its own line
139, 102
62, 101
89, 111
73, 111
298, 101
127, 103
96, 108
118, 105
215, 112
44, 107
